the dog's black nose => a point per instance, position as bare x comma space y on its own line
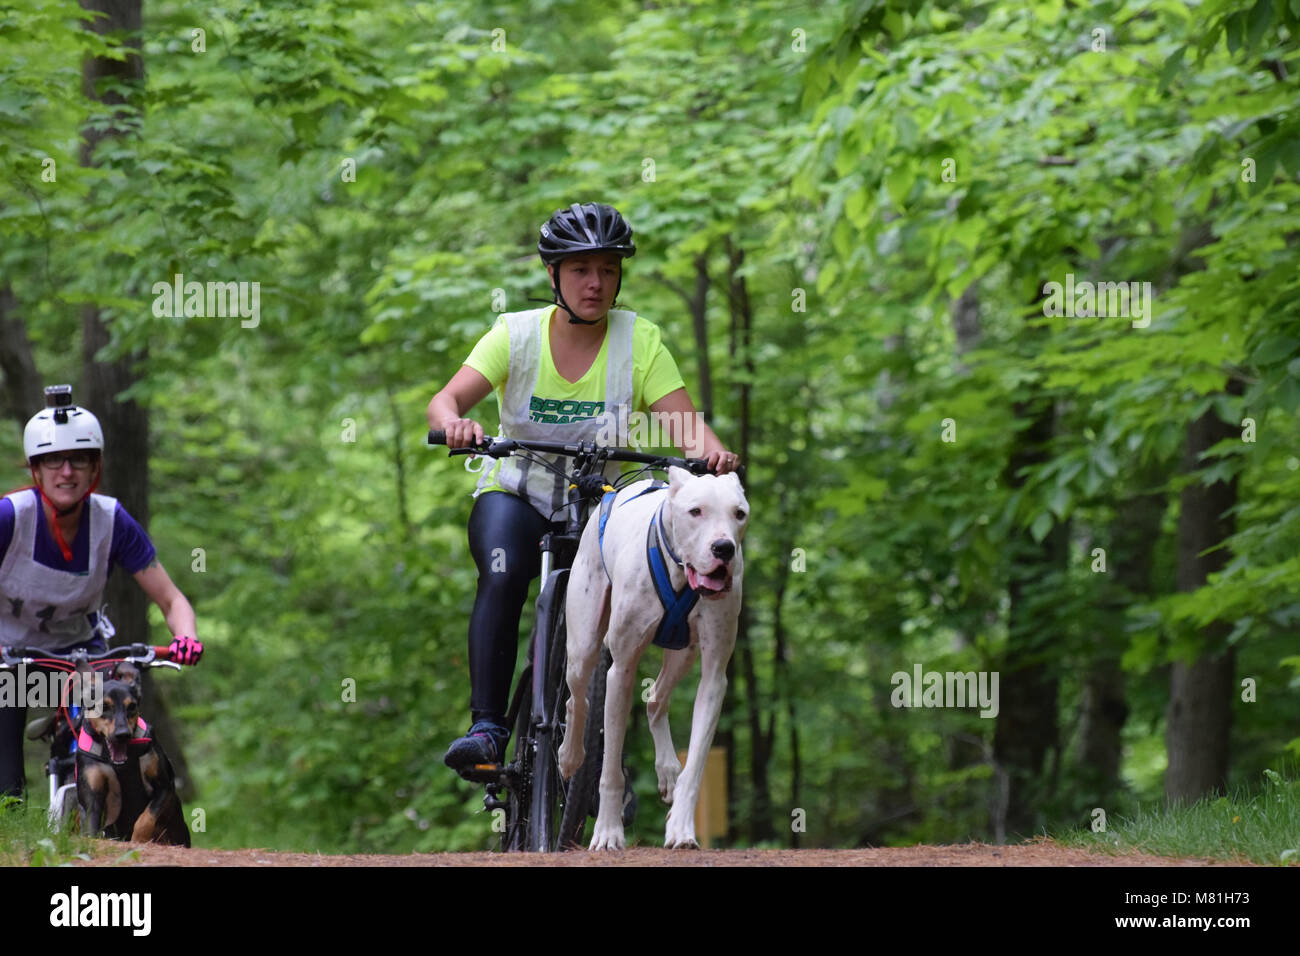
723, 549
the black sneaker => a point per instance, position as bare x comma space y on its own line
485, 743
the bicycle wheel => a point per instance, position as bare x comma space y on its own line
584, 787
547, 798
514, 837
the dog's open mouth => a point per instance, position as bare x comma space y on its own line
116, 750
714, 584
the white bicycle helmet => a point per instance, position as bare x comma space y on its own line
61, 426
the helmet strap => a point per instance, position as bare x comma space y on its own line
573, 319
64, 548
559, 299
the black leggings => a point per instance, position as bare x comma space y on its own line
11, 751
504, 534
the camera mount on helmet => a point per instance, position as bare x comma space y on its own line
59, 397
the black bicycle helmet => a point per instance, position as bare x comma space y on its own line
585, 228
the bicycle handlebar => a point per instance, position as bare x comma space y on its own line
501, 447
155, 656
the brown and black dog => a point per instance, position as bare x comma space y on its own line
125, 784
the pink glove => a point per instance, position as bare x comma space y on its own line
186, 650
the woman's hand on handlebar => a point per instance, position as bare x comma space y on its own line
463, 433
185, 650
721, 461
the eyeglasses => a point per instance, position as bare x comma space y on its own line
79, 460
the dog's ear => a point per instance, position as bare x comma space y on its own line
676, 478
736, 478
129, 675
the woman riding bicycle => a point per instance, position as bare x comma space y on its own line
564, 372
58, 542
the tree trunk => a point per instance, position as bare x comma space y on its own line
761, 743
1026, 730
966, 323
783, 689
1103, 706
125, 423
399, 462
23, 393
1199, 718
698, 304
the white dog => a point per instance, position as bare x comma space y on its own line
691, 529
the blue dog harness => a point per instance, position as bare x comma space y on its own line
672, 633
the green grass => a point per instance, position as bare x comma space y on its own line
25, 840
1262, 827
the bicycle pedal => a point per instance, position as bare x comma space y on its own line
482, 773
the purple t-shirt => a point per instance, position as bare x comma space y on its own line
130, 549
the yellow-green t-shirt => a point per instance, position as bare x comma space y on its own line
556, 399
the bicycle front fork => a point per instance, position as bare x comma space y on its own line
58, 770
58, 797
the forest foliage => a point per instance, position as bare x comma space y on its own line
873, 194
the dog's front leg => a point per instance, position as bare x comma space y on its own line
608, 832
676, 664
100, 798
92, 815
715, 651
587, 617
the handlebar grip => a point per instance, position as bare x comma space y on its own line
162, 652
438, 436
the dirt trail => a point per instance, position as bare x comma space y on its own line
975, 854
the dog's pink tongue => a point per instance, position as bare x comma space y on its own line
696, 580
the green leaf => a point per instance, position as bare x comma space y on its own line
893, 22
1288, 395
1105, 461
906, 128
1275, 349
1058, 500
1041, 526
898, 183
1233, 28
855, 207
1259, 18
1173, 65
